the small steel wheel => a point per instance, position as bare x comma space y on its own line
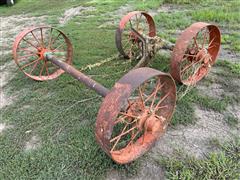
195, 52
128, 44
135, 114
30, 46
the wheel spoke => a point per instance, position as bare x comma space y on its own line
143, 25
137, 22
195, 42
122, 119
50, 39
157, 89
35, 38
118, 138
55, 40
40, 74
188, 66
45, 63
26, 56
133, 137
211, 42
141, 97
29, 43
58, 47
34, 67
190, 55
127, 43
129, 115
130, 23
162, 107
26, 65
26, 49
123, 133
42, 37
204, 39
159, 102
154, 96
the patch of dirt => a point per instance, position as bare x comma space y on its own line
4, 126
123, 10
149, 170
6, 76
166, 8
72, 12
33, 143
10, 27
228, 55
195, 139
214, 90
115, 16
235, 111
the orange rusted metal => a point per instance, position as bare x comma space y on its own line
198, 45
29, 48
191, 59
139, 20
148, 119
135, 111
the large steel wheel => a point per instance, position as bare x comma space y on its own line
135, 114
195, 52
30, 46
127, 42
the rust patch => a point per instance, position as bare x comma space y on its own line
182, 51
114, 103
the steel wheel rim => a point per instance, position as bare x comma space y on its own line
152, 126
126, 42
191, 60
29, 48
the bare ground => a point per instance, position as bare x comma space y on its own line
33, 143
10, 27
114, 17
193, 139
72, 12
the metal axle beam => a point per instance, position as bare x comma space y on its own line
100, 89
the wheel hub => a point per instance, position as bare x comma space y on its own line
148, 121
41, 52
203, 56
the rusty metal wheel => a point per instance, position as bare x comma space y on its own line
127, 43
135, 114
30, 46
195, 52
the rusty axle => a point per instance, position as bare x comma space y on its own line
100, 89
137, 109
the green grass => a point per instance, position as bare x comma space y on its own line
231, 120
233, 67
232, 41
148, 4
221, 165
54, 110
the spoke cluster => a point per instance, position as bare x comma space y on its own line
31, 49
145, 102
197, 55
131, 45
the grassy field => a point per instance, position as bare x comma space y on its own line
59, 115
